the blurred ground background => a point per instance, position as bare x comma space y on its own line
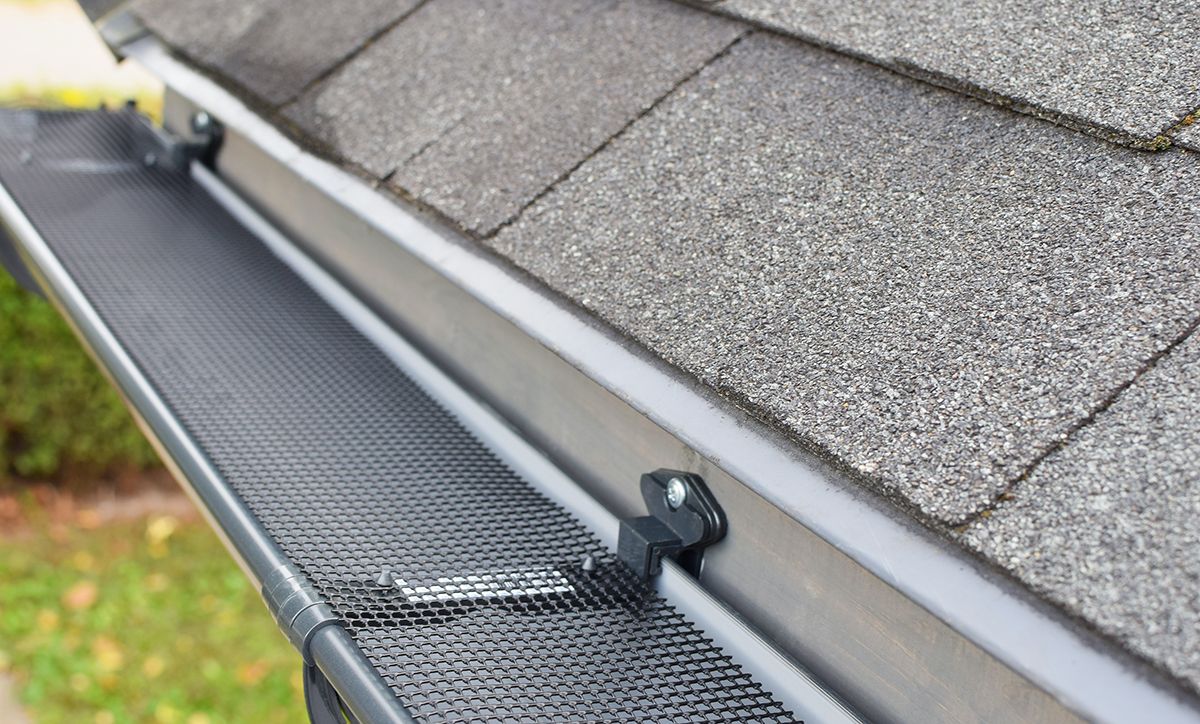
117, 603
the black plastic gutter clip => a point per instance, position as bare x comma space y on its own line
684, 519
297, 607
154, 146
207, 135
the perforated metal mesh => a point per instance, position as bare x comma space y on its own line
351, 468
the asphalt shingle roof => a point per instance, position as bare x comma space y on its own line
931, 289
1130, 69
1108, 526
273, 48
501, 98
935, 298
1189, 135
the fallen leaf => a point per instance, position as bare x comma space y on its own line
153, 666
107, 653
80, 596
88, 519
251, 673
160, 528
47, 620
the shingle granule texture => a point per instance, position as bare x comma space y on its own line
928, 288
1110, 526
478, 107
1189, 136
1127, 68
274, 48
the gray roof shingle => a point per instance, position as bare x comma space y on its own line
929, 288
1108, 527
1126, 69
274, 48
499, 99
1189, 136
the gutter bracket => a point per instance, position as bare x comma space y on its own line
206, 137
154, 146
684, 520
297, 607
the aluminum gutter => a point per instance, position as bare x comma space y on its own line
330, 646
795, 688
1079, 670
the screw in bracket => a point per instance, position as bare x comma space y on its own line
676, 493
202, 123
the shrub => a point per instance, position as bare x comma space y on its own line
59, 417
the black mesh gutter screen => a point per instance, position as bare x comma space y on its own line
464, 588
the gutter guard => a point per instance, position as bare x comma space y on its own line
796, 687
969, 621
259, 379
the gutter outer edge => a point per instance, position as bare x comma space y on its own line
328, 646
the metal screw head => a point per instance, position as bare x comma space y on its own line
149, 160
676, 493
202, 123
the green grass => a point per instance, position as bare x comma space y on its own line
146, 621
59, 417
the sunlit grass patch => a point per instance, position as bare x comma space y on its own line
139, 621
148, 100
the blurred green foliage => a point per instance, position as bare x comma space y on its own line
142, 621
59, 418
